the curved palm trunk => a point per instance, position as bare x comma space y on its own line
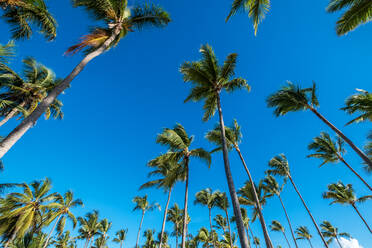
347, 140
51, 231
184, 229
139, 229
228, 225
165, 218
30, 120
285, 236
289, 221
365, 222
259, 208
230, 181
356, 173
308, 211
310, 243
338, 242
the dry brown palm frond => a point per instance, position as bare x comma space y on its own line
94, 39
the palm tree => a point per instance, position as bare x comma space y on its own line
256, 9
104, 228
21, 95
208, 238
303, 233
150, 241
120, 236
90, 227
272, 186
64, 240
221, 222
277, 227
359, 12
164, 239
144, 206
359, 103
6, 52
21, 14
178, 142
279, 166
120, 20
291, 98
176, 217
233, 139
227, 241
246, 221
208, 80
61, 212
171, 172
331, 232
23, 212
101, 241
331, 152
344, 194
223, 203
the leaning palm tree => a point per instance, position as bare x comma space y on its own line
256, 9
303, 233
233, 139
176, 217
272, 186
344, 194
292, 98
276, 226
171, 172
120, 20
279, 166
331, 232
222, 202
144, 206
209, 79
359, 12
360, 103
61, 212
90, 226
120, 236
23, 14
178, 142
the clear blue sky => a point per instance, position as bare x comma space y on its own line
115, 108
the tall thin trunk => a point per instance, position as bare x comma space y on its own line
184, 229
229, 226
347, 140
285, 236
308, 211
51, 231
310, 243
165, 217
338, 242
176, 237
11, 114
230, 182
210, 224
139, 229
86, 242
30, 120
259, 208
248, 237
356, 173
289, 221
365, 222
249, 227
121, 243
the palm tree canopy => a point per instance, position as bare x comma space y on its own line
343, 194
116, 14
271, 185
120, 235
360, 103
143, 204
276, 226
233, 136
291, 98
221, 222
331, 232
245, 217
327, 149
279, 166
64, 240
6, 52
358, 12
222, 201
209, 79
256, 9
302, 232
206, 197
89, 225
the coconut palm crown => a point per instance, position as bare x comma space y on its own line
331, 232
302, 232
233, 136
360, 103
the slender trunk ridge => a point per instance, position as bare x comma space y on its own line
360, 215
184, 229
356, 173
229, 226
139, 229
164, 218
51, 231
289, 221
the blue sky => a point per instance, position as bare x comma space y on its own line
115, 108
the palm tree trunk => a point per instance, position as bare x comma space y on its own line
365, 222
86, 242
30, 120
121, 244
347, 140
139, 229
259, 208
11, 114
249, 242
210, 224
230, 182
308, 211
338, 242
176, 237
356, 173
310, 243
285, 236
289, 221
228, 225
249, 227
165, 218
184, 229
51, 231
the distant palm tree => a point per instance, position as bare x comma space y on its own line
120, 236
178, 142
272, 186
21, 14
292, 98
89, 227
331, 232
150, 241
209, 79
256, 9
162, 239
331, 152
233, 139
256, 241
279, 166
171, 172
64, 240
246, 221
208, 238
221, 222
105, 227
303, 233
359, 12
144, 206
277, 227
119, 21
360, 103
222, 202
227, 241
176, 217
344, 194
